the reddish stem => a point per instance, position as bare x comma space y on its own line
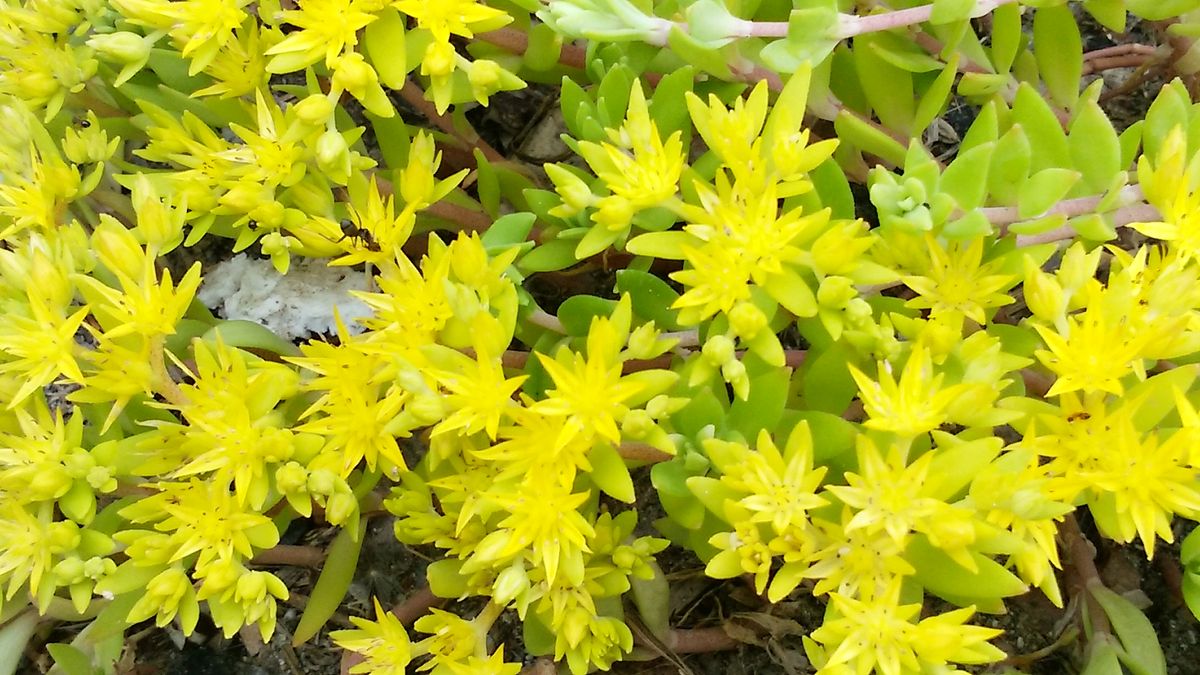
517, 42
699, 640
1081, 556
415, 96
1133, 60
642, 452
288, 554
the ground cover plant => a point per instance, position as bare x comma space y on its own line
769, 311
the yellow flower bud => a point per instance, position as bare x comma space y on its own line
251, 587
484, 75
1044, 296
220, 575
121, 47
427, 409
352, 73
574, 625
615, 213
735, 374
333, 154
835, 292
718, 350
69, 571
62, 536
90, 144
510, 583
291, 478
439, 59
34, 85
637, 424
97, 567
322, 482
625, 557
662, 405
1078, 267
49, 482
340, 508
170, 583
245, 197
575, 193
643, 342
117, 248
746, 319
315, 110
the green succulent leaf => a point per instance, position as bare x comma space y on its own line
549, 257
853, 129
940, 575
652, 598
1141, 651
384, 39
610, 473
888, 89
340, 562
1044, 189
1007, 36
1059, 52
1042, 127
651, 296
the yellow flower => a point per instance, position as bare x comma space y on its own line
477, 392
327, 28
879, 635
743, 239
590, 391
589, 641
956, 284
782, 486
202, 28
357, 407
1134, 482
1094, 349
530, 449
717, 278
168, 594
37, 201
1168, 185
40, 69
383, 643
453, 17
41, 347
913, 405
31, 544
411, 308
238, 597
240, 67
637, 166
855, 562
197, 517
548, 526
886, 493
45, 459
453, 639
731, 132
743, 551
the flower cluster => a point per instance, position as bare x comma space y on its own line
752, 298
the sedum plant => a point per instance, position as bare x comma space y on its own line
845, 365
